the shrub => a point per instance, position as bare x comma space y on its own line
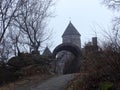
106, 86
28, 59
7, 75
100, 68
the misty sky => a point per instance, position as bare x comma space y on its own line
86, 15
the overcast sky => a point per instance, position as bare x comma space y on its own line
86, 16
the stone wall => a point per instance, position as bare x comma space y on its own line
73, 39
64, 59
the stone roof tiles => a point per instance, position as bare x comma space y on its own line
70, 30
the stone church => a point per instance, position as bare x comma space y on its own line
68, 53
71, 35
64, 58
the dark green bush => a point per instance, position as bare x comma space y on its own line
7, 75
28, 59
106, 86
22, 66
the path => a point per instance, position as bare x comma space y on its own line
55, 83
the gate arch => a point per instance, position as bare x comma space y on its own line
68, 47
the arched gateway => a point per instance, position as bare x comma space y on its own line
69, 52
68, 47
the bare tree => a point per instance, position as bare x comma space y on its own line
113, 4
8, 10
5, 50
15, 40
32, 21
22, 22
114, 38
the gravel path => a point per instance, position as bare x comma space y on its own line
55, 83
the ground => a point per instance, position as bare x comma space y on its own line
26, 81
57, 82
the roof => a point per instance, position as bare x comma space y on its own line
71, 30
47, 52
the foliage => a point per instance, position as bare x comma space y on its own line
24, 66
27, 59
75, 84
7, 74
98, 68
106, 86
31, 70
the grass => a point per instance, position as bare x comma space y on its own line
106, 86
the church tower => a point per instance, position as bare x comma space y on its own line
71, 35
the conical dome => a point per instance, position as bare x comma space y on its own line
71, 30
47, 52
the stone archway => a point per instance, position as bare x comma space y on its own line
73, 66
68, 47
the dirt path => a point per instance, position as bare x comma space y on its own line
55, 83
